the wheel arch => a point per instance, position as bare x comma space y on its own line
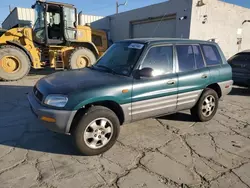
89, 45
216, 88
112, 105
16, 44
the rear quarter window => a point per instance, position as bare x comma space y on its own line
211, 55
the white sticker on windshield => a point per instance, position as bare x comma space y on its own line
136, 46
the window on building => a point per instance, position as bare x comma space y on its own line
160, 59
97, 40
198, 57
185, 58
212, 55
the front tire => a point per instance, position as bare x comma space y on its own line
14, 63
207, 106
97, 131
81, 57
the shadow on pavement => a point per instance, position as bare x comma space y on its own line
21, 129
179, 116
242, 91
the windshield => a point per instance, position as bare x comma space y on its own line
39, 28
120, 58
39, 16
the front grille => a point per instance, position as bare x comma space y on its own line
38, 94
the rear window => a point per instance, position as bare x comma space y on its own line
212, 55
241, 58
97, 40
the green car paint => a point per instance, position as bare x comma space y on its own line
144, 97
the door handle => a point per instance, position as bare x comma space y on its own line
171, 82
204, 76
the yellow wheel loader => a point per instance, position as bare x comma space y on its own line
55, 41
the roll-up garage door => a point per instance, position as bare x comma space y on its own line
154, 27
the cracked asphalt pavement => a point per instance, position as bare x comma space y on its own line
171, 151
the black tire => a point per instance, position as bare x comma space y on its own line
18, 54
87, 55
196, 111
92, 114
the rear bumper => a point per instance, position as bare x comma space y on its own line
226, 87
63, 118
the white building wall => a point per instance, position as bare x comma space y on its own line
222, 23
19, 16
87, 19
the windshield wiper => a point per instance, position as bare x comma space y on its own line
107, 68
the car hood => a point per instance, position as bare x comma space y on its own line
70, 81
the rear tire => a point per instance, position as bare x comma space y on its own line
14, 63
97, 131
207, 105
81, 57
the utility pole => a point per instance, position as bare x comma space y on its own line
10, 8
118, 5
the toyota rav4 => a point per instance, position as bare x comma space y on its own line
135, 79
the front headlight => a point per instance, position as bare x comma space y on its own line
56, 100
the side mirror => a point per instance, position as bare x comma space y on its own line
145, 72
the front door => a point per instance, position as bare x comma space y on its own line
156, 95
54, 24
69, 20
193, 76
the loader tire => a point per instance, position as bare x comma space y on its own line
81, 57
14, 63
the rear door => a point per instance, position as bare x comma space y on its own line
214, 63
156, 95
193, 76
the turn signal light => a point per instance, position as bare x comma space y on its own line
124, 90
48, 119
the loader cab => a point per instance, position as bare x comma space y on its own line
55, 23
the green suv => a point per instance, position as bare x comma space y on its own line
135, 79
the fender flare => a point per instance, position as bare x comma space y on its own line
22, 48
89, 45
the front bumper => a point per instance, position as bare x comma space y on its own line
63, 118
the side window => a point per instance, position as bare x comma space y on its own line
185, 58
198, 57
97, 40
211, 54
160, 59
